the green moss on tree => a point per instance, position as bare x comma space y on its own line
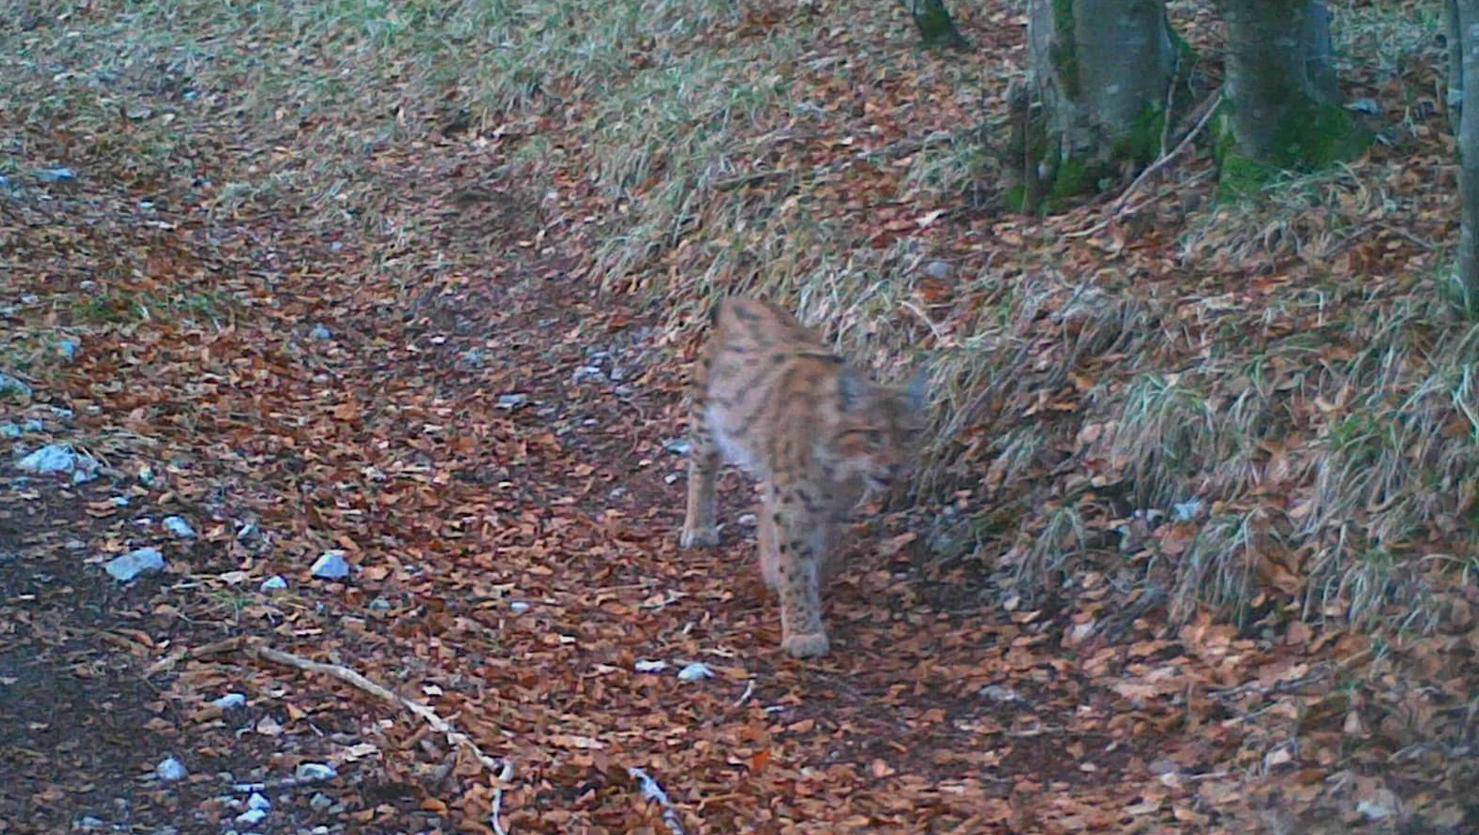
1143, 144
1320, 136
1062, 53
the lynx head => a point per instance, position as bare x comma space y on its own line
878, 430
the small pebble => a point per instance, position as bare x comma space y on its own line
171, 770
315, 771
380, 604
120, 501
678, 446
518, 607
331, 566
273, 583
135, 564
512, 401
320, 802
695, 672
179, 527
651, 666
60, 174
251, 817
321, 333
257, 801
89, 822
55, 458
230, 701
68, 349
938, 270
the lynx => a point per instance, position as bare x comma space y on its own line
769, 397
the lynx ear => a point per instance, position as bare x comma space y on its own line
852, 388
917, 392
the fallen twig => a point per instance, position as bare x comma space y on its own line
1208, 108
496, 767
500, 770
652, 791
749, 688
216, 648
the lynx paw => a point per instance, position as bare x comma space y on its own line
806, 646
699, 538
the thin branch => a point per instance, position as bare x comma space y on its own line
500, 770
496, 767
1208, 108
652, 791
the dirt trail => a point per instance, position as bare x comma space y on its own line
491, 456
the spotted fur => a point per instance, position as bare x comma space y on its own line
770, 397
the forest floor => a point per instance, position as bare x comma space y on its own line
452, 405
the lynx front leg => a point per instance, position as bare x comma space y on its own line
765, 534
703, 467
798, 539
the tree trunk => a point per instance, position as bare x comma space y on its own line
1282, 104
1101, 69
1468, 150
1454, 100
936, 27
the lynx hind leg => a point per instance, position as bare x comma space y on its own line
699, 529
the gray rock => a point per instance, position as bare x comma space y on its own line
251, 817
319, 802
678, 446
696, 671
273, 583
135, 564
938, 270
587, 374
230, 701
171, 770
13, 387
380, 604
60, 174
474, 358
331, 566
257, 801
643, 666
518, 607
120, 501
88, 823
315, 771
321, 333
999, 693
179, 527
1187, 510
512, 401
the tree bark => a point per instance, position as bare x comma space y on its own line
1283, 103
1101, 69
936, 27
1468, 150
1454, 99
